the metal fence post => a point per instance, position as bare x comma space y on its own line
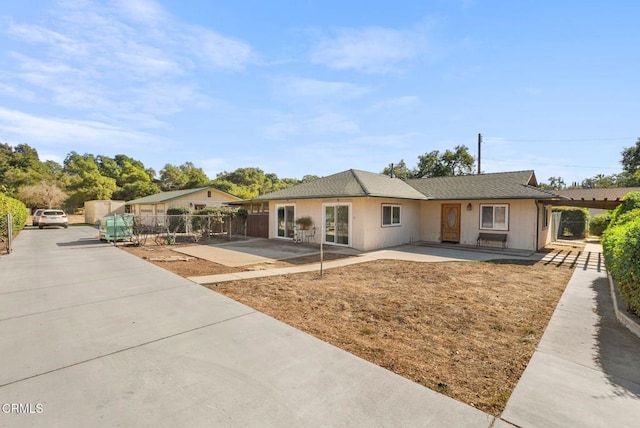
9, 234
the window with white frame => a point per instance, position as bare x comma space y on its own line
390, 215
494, 216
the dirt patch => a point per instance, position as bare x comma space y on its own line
176, 262
465, 329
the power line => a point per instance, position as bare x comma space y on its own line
571, 140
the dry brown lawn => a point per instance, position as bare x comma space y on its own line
465, 329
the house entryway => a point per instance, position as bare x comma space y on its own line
450, 223
337, 229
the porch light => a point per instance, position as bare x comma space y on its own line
469, 206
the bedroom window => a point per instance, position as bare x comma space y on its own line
391, 215
494, 217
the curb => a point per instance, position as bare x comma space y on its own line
631, 322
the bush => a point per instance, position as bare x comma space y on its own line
598, 224
177, 219
631, 202
573, 222
18, 213
621, 244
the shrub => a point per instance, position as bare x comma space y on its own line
631, 202
621, 243
599, 223
573, 222
176, 219
18, 213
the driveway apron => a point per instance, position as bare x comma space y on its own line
93, 336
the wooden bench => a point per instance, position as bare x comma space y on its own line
492, 237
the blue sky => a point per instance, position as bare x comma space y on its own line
303, 87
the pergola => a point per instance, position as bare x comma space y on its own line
602, 198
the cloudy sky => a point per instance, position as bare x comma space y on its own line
299, 87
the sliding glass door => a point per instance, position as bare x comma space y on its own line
286, 220
336, 224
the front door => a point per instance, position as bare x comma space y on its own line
450, 229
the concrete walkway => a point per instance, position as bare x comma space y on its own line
93, 336
586, 369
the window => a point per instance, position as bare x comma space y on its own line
286, 220
208, 193
198, 207
494, 217
391, 215
545, 220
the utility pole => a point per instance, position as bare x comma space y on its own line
479, 152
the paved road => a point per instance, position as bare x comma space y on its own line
92, 336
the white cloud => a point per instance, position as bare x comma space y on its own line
406, 102
124, 62
313, 88
58, 131
311, 127
369, 50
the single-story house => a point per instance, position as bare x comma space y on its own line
368, 211
194, 199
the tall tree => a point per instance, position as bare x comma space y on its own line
450, 163
185, 176
85, 181
398, 170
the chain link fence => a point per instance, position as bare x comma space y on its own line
172, 229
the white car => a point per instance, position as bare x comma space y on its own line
53, 218
36, 216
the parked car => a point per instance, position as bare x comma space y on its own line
53, 218
36, 216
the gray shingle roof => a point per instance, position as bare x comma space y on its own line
167, 196
502, 185
348, 184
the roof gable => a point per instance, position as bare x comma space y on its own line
348, 184
502, 185
175, 194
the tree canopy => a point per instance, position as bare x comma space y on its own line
434, 164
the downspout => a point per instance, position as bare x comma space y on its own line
537, 225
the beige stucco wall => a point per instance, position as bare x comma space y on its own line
366, 231
522, 222
95, 210
217, 199
544, 233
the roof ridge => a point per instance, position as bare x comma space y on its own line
360, 183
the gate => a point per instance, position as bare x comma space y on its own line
258, 225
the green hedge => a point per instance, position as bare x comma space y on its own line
18, 213
573, 222
598, 224
621, 245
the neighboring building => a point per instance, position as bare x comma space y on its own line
95, 210
193, 199
369, 211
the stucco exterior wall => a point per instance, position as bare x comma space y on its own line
366, 230
522, 222
95, 210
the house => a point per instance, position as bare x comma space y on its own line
368, 211
193, 199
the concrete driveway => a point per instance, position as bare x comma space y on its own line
93, 336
